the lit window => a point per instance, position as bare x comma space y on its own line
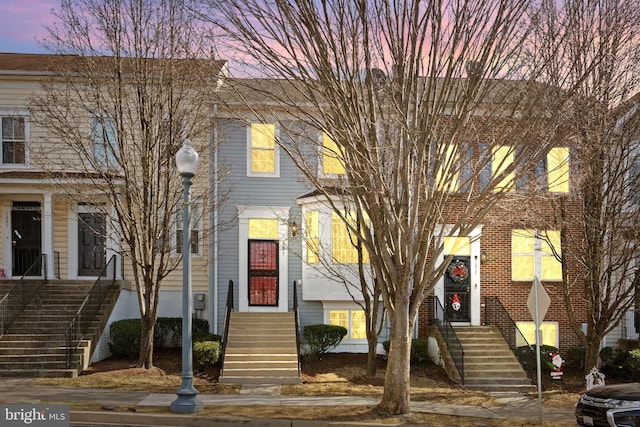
447, 175
313, 237
548, 331
263, 228
501, 161
524, 259
13, 139
354, 321
460, 246
331, 158
343, 243
263, 153
558, 166
105, 142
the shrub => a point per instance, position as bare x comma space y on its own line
206, 336
575, 357
125, 337
205, 354
632, 364
419, 349
606, 354
614, 366
125, 334
527, 356
322, 338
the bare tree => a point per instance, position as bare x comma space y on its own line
599, 220
420, 100
129, 87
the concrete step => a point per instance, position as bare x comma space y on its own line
261, 348
38, 373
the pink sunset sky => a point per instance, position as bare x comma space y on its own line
22, 24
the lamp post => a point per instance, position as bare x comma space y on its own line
186, 403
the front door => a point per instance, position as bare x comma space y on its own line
263, 272
26, 238
457, 290
91, 244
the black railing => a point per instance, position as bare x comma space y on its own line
448, 334
495, 314
16, 300
87, 312
227, 317
296, 315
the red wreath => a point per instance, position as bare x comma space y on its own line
458, 271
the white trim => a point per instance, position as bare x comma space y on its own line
474, 280
27, 139
276, 154
264, 212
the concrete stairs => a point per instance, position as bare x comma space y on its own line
489, 363
261, 348
35, 344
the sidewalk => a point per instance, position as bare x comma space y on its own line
515, 406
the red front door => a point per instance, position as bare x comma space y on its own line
263, 272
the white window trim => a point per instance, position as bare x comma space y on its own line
104, 163
198, 226
27, 142
321, 172
276, 173
537, 258
556, 324
350, 308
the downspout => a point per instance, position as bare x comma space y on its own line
213, 215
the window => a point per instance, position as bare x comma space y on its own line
313, 237
454, 245
105, 142
195, 220
263, 228
531, 250
332, 163
13, 140
548, 332
552, 172
501, 161
343, 243
263, 154
447, 174
353, 320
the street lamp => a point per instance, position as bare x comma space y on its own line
186, 403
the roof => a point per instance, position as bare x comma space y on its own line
21, 63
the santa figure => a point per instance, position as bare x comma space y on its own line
455, 302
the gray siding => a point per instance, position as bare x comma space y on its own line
255, 191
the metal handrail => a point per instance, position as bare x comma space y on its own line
15, 301
495, 314
79, 325
227, 317
296, 312
450, 337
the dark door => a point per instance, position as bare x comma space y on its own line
26, 238
457, 289
91, 239
263, 272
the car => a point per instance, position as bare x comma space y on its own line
624, 417
611, 405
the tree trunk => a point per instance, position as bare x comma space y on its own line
145, 357
396, 395
372, 359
